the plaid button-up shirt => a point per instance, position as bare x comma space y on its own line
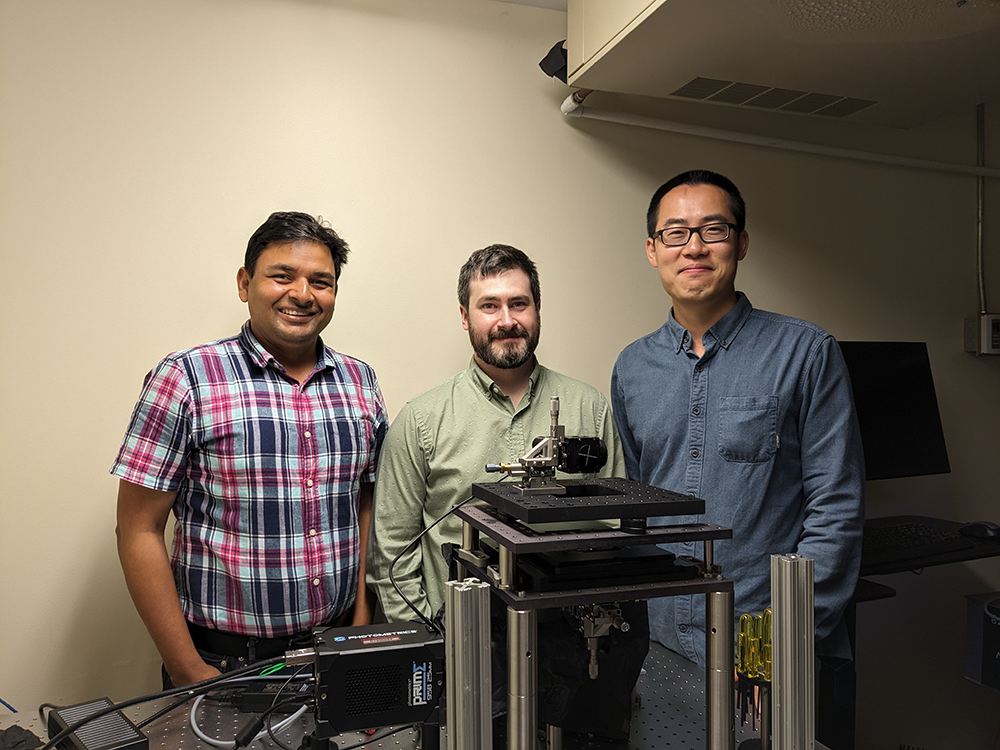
267, 474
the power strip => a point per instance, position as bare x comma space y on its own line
109, 732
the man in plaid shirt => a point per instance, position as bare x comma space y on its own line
265, 447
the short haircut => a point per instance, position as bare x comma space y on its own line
494, 260
295, 226
698, 177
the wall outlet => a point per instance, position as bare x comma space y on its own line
982, 334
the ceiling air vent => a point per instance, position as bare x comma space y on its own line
775, 98
810, 103
738, 93
701, 88
846, 106
765, 97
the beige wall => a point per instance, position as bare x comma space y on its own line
142, 141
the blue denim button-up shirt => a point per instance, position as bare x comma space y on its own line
762, 427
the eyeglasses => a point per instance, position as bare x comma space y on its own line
677, 236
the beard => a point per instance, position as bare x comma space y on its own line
508, 355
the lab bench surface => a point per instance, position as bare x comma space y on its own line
671, 716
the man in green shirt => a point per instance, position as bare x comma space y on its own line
440, 442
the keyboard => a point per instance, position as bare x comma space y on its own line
899, 542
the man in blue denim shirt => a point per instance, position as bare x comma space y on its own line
749, 410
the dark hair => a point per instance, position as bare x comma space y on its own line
294, 226
494, 260
698, 177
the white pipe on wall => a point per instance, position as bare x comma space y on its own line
573, 107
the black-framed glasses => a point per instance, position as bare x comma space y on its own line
676, 236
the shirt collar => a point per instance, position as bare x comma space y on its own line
263, 358
725, 329
491, 390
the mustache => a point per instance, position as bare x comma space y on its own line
514, 332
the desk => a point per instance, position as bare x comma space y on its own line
223, 722
838, 688
671, 716
980, 548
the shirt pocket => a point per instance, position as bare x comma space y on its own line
748, 428
345, 451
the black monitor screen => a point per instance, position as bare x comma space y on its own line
897, 408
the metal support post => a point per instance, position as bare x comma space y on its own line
522, 679
467, 665
719, 687
765, 717
508, 564
793, 649
553, 737
470, 537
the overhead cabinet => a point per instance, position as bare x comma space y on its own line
899, 64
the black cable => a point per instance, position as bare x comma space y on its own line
235, 689
252, 728
275, 740
270, 729
195, 689
417, 538
165, 710
43, 706
267, 725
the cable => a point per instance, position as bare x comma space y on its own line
274, 738
193, 716
392, 565
417, 538
265, 675
165, 710
171, 706
197, 688
267, 725
43, 706
177, 704
253, 730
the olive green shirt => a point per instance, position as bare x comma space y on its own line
438, 446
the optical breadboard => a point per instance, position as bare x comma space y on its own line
590, 499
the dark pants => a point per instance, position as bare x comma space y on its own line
219, 661
228, 652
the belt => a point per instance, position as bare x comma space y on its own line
233, 644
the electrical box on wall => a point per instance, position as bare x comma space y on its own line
982, 334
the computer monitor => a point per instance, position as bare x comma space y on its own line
897, 408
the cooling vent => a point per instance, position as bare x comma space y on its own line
766, 97
374, 689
